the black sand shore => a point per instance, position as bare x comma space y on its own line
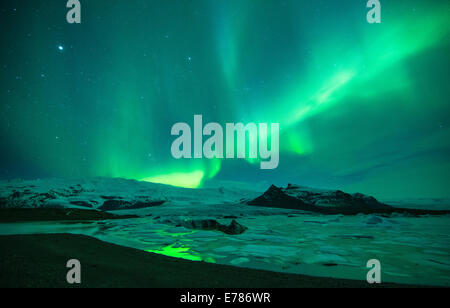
39, 261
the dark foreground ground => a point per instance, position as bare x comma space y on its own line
40, 260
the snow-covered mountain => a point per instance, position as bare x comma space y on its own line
113, 194
110, 194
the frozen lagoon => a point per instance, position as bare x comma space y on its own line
414, 250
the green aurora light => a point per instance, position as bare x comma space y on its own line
361, 107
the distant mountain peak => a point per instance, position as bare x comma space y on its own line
317, 200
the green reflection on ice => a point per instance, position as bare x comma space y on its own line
180, 252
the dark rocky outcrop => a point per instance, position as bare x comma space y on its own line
114, 205
233, 228
26, 200
81, 203
329, 202
277, 197
110, 197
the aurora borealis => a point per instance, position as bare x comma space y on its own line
362, 107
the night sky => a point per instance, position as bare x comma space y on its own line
362, 107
